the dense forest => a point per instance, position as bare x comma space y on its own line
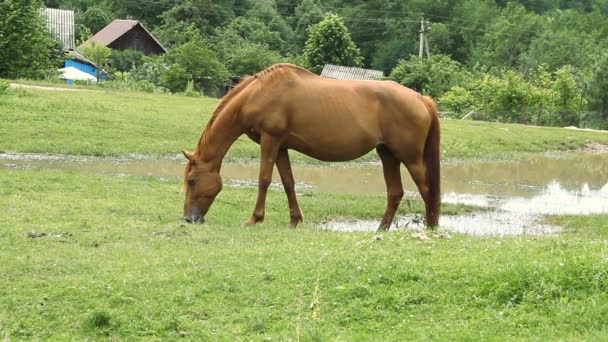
539, 62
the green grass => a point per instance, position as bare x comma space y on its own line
121, 123
117, 263
93, 257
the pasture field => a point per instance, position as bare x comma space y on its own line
96, 256
113, 123
87, 256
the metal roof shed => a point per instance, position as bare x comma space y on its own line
350, 73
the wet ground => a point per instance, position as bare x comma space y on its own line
521, 192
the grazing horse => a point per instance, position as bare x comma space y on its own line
287, 107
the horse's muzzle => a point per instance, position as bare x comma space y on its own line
195, 219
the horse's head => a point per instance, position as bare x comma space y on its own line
201, 188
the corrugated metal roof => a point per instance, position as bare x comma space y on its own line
116, 29
61, 24
77, 56
350, 73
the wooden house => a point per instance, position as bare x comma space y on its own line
128, 34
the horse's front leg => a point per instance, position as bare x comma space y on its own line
270, 147
284, 167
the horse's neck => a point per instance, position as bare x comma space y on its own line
217, 139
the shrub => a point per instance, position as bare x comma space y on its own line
4, 87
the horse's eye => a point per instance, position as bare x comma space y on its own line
191, 182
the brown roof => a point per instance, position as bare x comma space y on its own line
116, 29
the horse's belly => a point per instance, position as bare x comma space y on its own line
336, 147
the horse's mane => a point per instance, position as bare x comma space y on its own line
263, 76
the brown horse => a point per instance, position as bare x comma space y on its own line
287, 107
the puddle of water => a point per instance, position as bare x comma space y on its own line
521, 191
525, 178
494, 223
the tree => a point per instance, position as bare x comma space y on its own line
95, 18
597, 86
506, 38
307, 13
329, 42
247, 29
248, 58
200, 63
98, 54
267, 12
27, 49
175, 78
126, 60
247, 45
434, 75
569, 96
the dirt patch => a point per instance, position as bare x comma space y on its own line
594, 148
38, 87
585, 129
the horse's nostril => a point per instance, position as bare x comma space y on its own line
195, 219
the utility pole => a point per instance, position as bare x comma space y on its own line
424, 38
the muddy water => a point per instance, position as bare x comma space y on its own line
520, 191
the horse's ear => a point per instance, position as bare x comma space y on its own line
188, 155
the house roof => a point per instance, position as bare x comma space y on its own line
116, 29
350, 73
77, 56
61, 24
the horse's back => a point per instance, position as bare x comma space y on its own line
340, 119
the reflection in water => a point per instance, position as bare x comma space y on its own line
573, 183
496, 223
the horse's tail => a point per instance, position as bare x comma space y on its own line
431, 159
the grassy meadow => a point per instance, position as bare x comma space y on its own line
106, 257
121, 123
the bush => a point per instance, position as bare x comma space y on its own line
144, 86
4, 87
434, 75
190, 90
458, 101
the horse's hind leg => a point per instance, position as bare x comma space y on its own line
418, 172
284, 167
270, 148
394, 188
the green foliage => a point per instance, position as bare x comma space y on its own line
175, 78
597, 89
95, 18
569, 96
267, 12
4, 87
329, 42
484, 36
249, 58
247, 45
197, 62
98, 54
307, 13
190, 90
125, 60
507, 37
150, 70
27, 49
553, 99
434, 75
